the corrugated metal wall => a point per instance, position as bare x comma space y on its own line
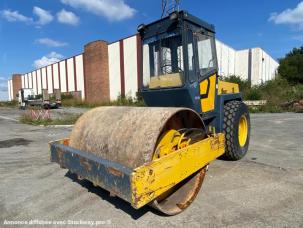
114, 70
130, 66
123, 76
241, 64
10, 89
67, 75
226, 59
255, 65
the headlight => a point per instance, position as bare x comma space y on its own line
174, 16
141, 28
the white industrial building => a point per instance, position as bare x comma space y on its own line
66, 75
252, 64
120, 72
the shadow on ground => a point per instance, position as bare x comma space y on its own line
14, 142
116, 201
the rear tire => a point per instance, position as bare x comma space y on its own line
236, 128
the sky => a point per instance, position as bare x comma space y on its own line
34, 33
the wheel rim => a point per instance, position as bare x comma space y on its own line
178, 198
243, 130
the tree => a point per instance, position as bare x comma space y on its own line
291, 67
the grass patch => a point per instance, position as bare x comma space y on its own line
268, 108
65, 119
279, 94
9, 104
69, 101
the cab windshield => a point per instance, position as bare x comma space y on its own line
163, 61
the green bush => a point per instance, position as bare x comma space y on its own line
243, 84
268, 108
8, 104
67, 119
66, 96
297, 92
253, 94
121, 101
279, 93
291, 67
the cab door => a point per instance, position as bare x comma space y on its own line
206, 69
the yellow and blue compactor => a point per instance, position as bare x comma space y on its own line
158, 155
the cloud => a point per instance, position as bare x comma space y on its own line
51, 43
67, 17
44, 17
289, 16
51, 58
113, 10
14, 16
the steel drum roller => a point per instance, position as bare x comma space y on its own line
130, 136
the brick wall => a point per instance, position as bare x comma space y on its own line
96, 80
17, 85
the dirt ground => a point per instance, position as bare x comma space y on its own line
265, 189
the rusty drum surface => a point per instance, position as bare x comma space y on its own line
129, 136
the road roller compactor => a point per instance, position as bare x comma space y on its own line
158, 155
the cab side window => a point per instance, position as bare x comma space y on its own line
206, 58
191, 54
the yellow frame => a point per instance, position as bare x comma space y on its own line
243, 131
151, 180
227, 87
208, 103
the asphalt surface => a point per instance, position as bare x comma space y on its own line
265, 189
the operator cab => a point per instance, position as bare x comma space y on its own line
178, 52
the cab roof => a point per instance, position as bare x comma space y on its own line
184, 15
166, 24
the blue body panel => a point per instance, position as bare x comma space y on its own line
187, 96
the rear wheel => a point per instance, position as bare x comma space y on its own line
236, 128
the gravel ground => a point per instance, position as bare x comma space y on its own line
264, 189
